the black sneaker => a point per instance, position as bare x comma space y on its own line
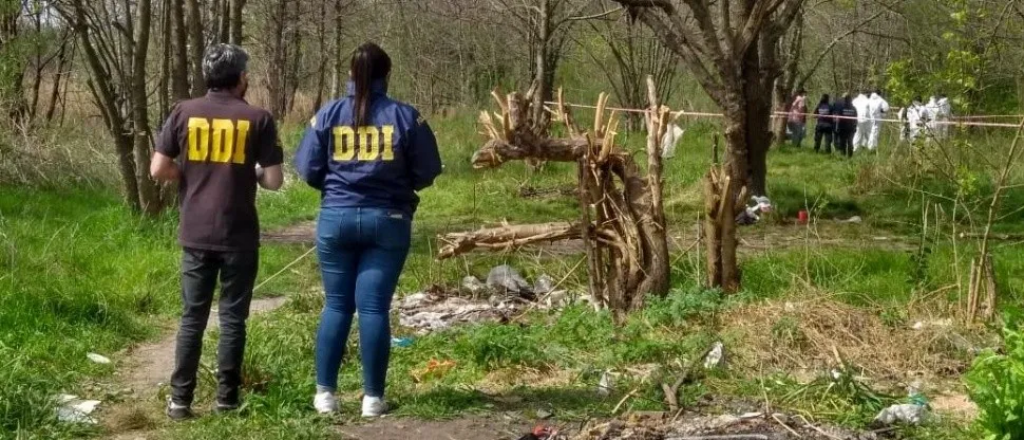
178, 412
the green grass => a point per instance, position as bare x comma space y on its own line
79, 273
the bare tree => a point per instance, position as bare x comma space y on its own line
635, 54
197, 45
115, 39
179, 61
545, 26
12, 64
730, 47
236, 21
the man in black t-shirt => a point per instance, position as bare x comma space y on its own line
224, 147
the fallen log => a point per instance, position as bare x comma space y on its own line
507, 237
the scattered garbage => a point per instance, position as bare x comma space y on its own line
604, 386
715, 356
671, 139
544, 414
541, 432
935, 323
473, 285
802, 217
71, 409
752, 214
506, 279
98, 358
910, 413
401, 342
435, 369
854, 219
543, 285
415, 300
749, 426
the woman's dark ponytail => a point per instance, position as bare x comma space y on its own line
369, 63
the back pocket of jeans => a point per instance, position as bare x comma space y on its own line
394, 230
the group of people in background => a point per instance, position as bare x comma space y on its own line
855, 123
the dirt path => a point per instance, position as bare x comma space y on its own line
471, 428
147, 367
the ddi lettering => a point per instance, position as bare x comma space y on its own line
374, 143
228, 140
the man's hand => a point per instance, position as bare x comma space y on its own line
270, 178
163, 168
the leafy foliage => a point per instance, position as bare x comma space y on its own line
996, 383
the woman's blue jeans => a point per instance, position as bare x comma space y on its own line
362, 251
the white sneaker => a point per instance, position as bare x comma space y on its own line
326, 403
374, 406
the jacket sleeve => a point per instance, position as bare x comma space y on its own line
311, 156
423, 157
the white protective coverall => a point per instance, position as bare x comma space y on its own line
931, 111
943, 113
877, 108
860, 138
917, 117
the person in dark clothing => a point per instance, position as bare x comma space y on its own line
825, 124
846, 124
224, 148
369, 155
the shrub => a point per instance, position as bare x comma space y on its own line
996, 384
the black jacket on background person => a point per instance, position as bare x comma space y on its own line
824, 118
848, 124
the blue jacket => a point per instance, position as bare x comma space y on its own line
402, 156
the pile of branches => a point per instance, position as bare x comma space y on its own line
622, 219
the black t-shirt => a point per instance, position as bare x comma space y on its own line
220, 139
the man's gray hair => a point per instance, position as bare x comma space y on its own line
223, 66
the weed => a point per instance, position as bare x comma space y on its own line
996, 383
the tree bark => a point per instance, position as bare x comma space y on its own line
197, 45
236, 21
58, 75
103, 90
166, 50
13, 98
179, 60
541, 78
149, 192
338, 80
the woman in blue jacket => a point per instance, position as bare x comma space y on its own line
368, 155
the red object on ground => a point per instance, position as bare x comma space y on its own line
801, 217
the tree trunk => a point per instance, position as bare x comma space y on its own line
197, 46
166, 50
12, 95
236, 21
323, 54
107, 101
179, 60
223, 17
149, 192
279, 68
338, 80
58, 75
541, 78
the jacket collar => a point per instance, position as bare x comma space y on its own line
222, 95
377, 87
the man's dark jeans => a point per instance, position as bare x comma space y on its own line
199, 273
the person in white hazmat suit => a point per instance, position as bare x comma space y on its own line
877, 108
860, 138
943, 112
931, 112
916, 117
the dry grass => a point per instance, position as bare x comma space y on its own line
804, 333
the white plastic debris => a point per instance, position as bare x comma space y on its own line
473, 285
416, 300
543, 285
506, 279
98, 358
936, 323
604, 386
904, 413
854, 219
71, 409
752, 213
670, 140
715, 356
